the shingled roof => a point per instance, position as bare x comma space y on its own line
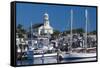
37, 25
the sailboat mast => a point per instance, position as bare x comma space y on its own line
86, 20
31, 33
71, 33
32, 42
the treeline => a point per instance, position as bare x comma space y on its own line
22, 31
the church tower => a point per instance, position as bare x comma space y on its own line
45, 28
46, 19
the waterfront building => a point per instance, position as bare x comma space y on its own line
43, 28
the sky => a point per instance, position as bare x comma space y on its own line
59, 16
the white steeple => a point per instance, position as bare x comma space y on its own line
46, 19
45, 28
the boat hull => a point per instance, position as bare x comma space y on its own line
79, 55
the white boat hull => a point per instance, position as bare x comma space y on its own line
78, 55
70, 55
45, 55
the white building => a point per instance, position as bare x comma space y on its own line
44, 28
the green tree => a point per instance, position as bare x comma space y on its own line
56, 34
78, 30
93, 32
20, 30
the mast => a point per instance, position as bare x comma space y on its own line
71, 33
86, 21
32, 42
31, 33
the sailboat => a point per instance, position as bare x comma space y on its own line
78, 55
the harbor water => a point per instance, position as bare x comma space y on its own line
51, 59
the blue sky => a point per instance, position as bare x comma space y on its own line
59, 16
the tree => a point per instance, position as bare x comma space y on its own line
55, 34
93, 32
20, 30
78, 30
20, 26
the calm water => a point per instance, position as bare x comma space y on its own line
50, 60
53, 59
